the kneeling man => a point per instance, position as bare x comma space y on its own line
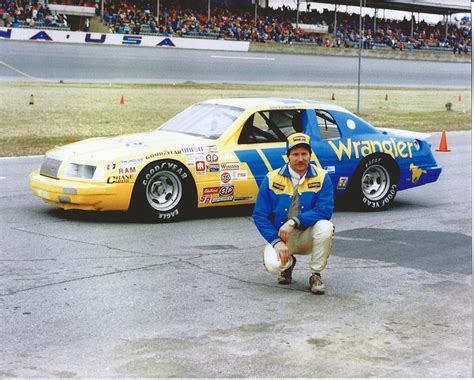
293, 209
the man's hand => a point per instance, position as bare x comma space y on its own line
286, 230
283, 252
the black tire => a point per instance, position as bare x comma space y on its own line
375, 183
164, 192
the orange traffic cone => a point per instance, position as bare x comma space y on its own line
32, 100
443, 144
122, 100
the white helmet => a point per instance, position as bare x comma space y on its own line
271, 261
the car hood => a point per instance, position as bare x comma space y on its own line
139, 144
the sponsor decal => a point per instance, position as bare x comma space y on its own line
210, 190
240, 175
212, 157
359, 149
205, 199
213, 167
342, 183
222, 199
127, 170
330, 169
416, 173
244, 198
226, 177
278, 186
162, 153
164, 165
193, 157
119, 178
110, 167
131, 162
195, 149
200, 167
314, 185
210, 148
230, 165
226, 190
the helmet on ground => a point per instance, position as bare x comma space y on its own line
271, 261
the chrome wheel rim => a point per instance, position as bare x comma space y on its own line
375, 182
164, 191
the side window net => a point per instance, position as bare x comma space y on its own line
271, 126
327, 126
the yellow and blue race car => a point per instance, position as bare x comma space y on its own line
217, 152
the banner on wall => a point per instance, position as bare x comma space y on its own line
20, 34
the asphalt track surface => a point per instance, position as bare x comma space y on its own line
99, 295
22, 60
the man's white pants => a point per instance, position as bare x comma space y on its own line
315, 241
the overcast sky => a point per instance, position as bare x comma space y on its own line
388, 13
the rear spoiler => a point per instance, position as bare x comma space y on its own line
405, 133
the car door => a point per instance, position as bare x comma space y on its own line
261, 144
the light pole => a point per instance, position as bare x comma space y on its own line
256, 4
158, 12
360, 57
297, 13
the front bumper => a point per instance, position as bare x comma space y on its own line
69, 194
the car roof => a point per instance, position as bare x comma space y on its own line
259, 103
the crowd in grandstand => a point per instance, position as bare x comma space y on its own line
190, 18
27, 13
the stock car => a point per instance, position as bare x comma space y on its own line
217, 152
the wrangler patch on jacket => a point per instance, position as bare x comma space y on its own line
278, 186
314, 185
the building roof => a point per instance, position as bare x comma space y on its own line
432, 6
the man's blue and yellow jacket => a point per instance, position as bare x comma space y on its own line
316, 198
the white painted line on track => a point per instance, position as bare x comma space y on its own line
247, 58
16, 157
24, 74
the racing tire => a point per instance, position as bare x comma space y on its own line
163, 192
375, 183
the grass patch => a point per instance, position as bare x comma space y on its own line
64, 113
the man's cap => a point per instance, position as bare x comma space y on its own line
297, 139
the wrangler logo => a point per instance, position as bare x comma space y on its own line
364, 148
278, 186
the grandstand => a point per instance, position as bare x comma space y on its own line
235, 20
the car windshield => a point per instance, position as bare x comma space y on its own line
206, 120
